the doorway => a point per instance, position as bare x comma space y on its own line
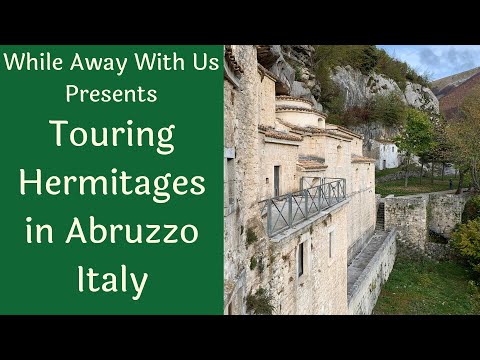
384, 164
276, 181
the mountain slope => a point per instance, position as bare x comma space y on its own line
449, 103
444, 86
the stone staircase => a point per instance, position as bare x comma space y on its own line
380, 225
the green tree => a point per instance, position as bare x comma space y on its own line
463, 133
467, 241
416, 137
388, 109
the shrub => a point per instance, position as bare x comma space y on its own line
472, 209
467, 241
260, 303
253, 263
251, 236
387, 109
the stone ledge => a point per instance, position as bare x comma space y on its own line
299, 228
366, 271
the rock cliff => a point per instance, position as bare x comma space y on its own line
294, 66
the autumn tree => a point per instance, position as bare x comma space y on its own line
463, 133
416, 137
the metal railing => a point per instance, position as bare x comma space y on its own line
286, 211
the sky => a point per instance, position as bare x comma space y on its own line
437, 60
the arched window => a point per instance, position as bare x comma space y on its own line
339, 155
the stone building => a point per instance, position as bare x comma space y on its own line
299, 198
386, 154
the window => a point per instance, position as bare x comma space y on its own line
393, 149
231, 181
330, 244
300, 259
339, 155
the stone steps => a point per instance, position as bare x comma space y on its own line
380, 225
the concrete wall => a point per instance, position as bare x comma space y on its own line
408, 215
364, 293
444, 212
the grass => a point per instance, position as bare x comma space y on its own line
385, 172
397, 187
428, 288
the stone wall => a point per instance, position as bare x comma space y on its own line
322, 288
362, 208
408, 214
241, 117
278, 154
364, 293
414, 216
444, 212
266, 101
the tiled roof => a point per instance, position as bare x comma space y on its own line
294, 98
231, 61
299, 109
263, 70
271, 133
334, 133
311, 164
344, 129
310, 129
362, 159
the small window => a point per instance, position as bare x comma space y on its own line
330, 245
231, 181
339, 155
300, 259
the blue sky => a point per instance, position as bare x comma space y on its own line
437, 60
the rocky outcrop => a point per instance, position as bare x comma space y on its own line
294, 64
421, 97
358, 88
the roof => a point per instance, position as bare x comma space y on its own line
344, 129
299, 109
294, 98
310, 129
264, 71
271, 133
311, 164
385, 142
362, 159
343, 136
231, 61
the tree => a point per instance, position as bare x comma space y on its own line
467, 241
416, 137
463, 133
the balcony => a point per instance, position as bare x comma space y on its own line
286, 211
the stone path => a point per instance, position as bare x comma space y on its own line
361, 261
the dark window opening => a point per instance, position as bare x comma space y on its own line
300, 260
